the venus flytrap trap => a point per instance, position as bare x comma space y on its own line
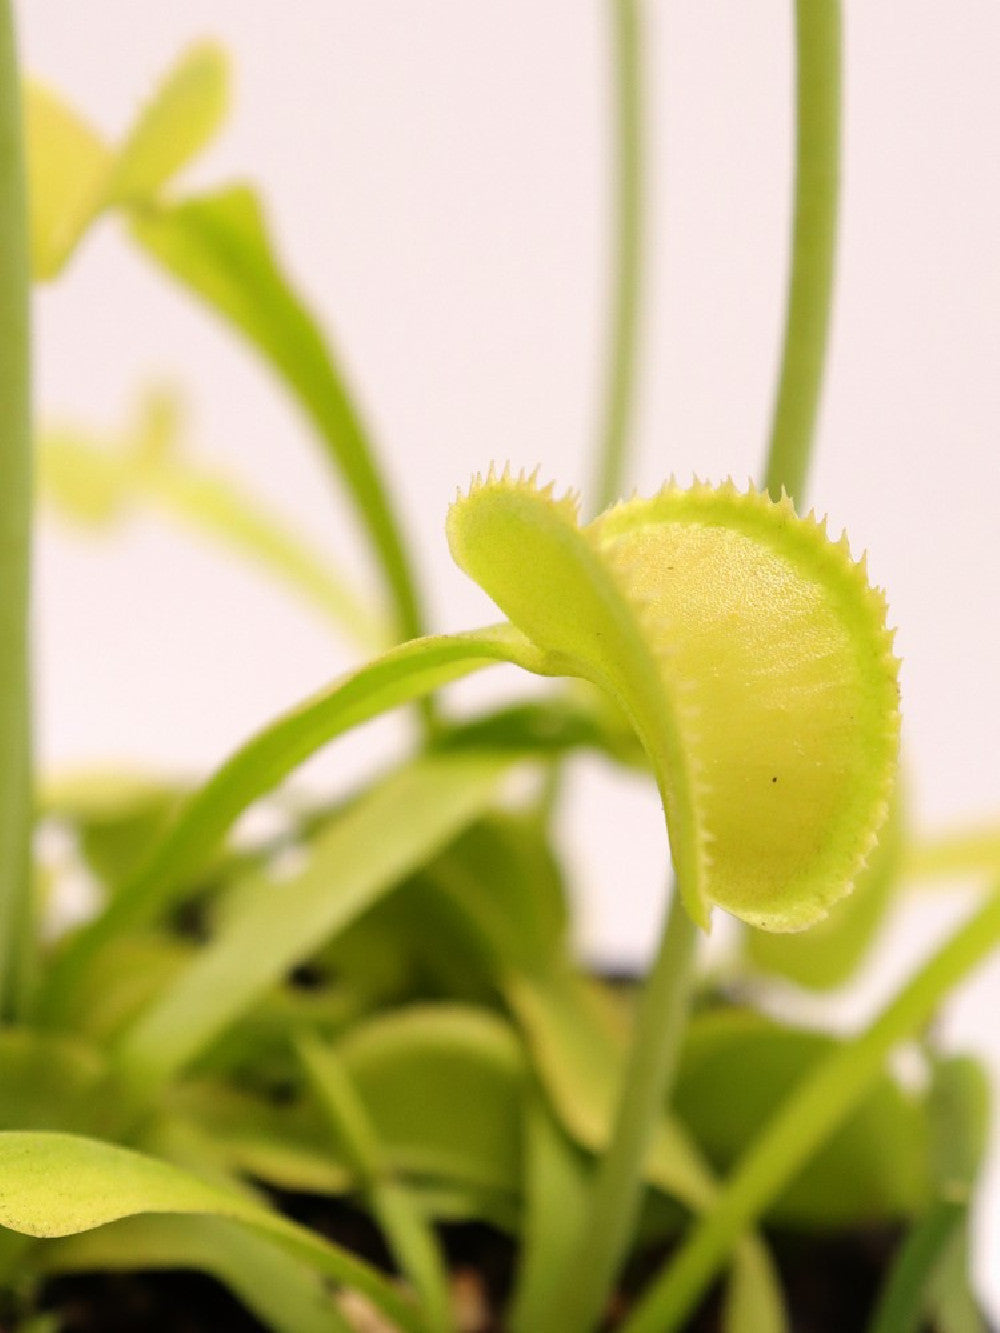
395, 1015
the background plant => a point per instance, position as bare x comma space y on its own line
194, 225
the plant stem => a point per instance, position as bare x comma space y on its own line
16, 799
810, 284
624, 331
609, 1226
806, 1120
904, 1297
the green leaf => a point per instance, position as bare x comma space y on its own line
47, 1081
401, 675
420, 1069
180, 119
557, 1180
383, 836
578, 1048
736, 1070
73, 176
904, 1296
281, 1143
91, 484
61, 1184
219, 248
394, 1208
502, 876
124, 979
827, 955
959, 1107
750, 654
416, 1070
68, 168
753, 1301
283, 1293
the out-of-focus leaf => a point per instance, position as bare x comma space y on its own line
68, 168
753, 1301
417, 1071
828, 954
176, 124
46, 1081
396, 1211
73, 176
93, 484
959, 1112
578, 1052
960, 853
420, 1070
124, 980
902, 1301
61, 1184
502, 874
279, 1142
382, 837
218, 246
557, 1180
399, 676
736, 1070
283, 1293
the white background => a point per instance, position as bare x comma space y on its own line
437, 176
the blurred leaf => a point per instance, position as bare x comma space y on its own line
127, 977
284, 1294
47, 1081
218, 246
502, 874
396, 1211
959, 1111
753, 1301
68, 168
578, 1053
282, 1143
903, 1298
557, 1181
397, 677
395, 827
61, 1184
417, 1071
73, 176
421, 1071
176, 124
93, 484
828, 954
736, 1070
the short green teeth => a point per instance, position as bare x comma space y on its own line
751, 655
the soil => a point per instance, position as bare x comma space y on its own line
830, 1283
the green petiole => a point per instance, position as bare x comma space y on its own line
805, 1121
814, 233
624, 333
16, 798
663, 1011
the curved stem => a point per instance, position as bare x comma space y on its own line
624, 332
806, 1120
613, 1207
810, 284
15, 544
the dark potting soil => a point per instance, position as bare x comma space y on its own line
830, 1283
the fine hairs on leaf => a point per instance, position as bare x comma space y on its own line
341, 1056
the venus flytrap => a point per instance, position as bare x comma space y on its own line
754, 663
399, 1015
